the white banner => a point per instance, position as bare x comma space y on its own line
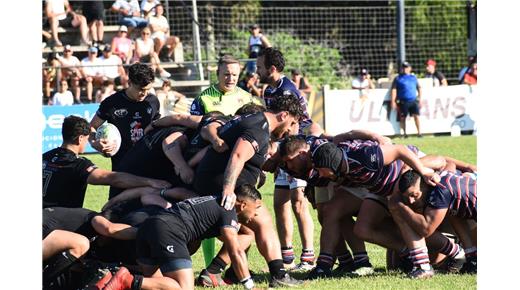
442, 107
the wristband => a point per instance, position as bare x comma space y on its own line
161, 193
248, 283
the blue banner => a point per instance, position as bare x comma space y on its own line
53, 119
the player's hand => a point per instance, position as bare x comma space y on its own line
470, 168
148, 129
431, 178
394, 105
219, 145
107, 147
158, 183
187, 175
228, 200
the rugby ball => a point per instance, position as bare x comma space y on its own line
109, 132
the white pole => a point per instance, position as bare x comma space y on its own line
196, 39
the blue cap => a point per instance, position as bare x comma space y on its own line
93, 49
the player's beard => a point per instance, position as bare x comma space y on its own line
279, 133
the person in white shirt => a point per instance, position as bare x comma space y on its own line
112, 67
70, 70
63, 97
363, 83
161, 32
92, 71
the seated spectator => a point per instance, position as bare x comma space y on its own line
437, 77
161, 34
70, 70
470, 77
123, 46
145, 53
250, 84
168, 98
148, 7
92, 71
63, 97
107, 89
302, 84
363, 83
129, 14
464, 70
50, 74
112, 68
60, 14
95, 15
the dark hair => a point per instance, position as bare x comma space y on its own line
290, 144
250, 108
73, 127
213, 114
140, 74
273, 57
289, 102
225, 60
408, 179
247, 191
120, 209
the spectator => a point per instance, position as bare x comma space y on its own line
107, 89
257, 42
95, 15
60, 14
406, 97
301, 82
63, 97
129, 14
92, 71
250, 83
363, 83
145, 53
437, 77
470, 77
113, 68
122, 46
464, 70
168, 98
161, 33
50, 74
148, 7
70, 70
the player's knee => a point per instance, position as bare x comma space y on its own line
80, 247
361, 231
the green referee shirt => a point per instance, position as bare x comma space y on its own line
212, 99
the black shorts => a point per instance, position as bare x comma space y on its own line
67, 22
75, 220
161, 241
93, 10
408, 108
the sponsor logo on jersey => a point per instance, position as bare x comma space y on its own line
137, 116
121, 112
170, 249
136, 131
149, 111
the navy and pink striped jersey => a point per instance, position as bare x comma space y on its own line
457, 193
287, 85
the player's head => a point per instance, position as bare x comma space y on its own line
288, 112
228, 73
140, 78
248, 201
327, 160
250, 108
270, 62
296, 157
75, 131
410, 187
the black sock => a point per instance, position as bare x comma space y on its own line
276, 268
217, 266
56, 265
137, 282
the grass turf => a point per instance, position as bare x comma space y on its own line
463, 148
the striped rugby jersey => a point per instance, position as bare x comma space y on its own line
457, 193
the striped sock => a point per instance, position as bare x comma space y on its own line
345, 258
360, 257
287, 255
471, 252
307, 256
450, 249
325, 261
420, 259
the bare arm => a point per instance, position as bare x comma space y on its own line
117, 231
265, 41
210, 133
308, 86
129, 194
123, 180
236, 254
425, 224
461, 165
393, 95
198, 157
394, 152
363, 135
242, 152
189, 121
172, 148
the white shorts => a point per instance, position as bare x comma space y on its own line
284, 180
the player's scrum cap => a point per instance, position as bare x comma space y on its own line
328, 155
406, 64
431, 62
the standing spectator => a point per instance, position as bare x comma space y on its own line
60, 14
470, 77
71, 70
112, 68
363, 83
129, 14
250, 83
144, 52
406, 97
92, 71
301, 82
64, 96
50, 74
168, 98
257, 42
95, 15
437, 77
148, 7
123, 46
464, 70
107, 89
161, 33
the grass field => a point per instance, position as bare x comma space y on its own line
463, 148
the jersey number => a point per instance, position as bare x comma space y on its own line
47, 174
